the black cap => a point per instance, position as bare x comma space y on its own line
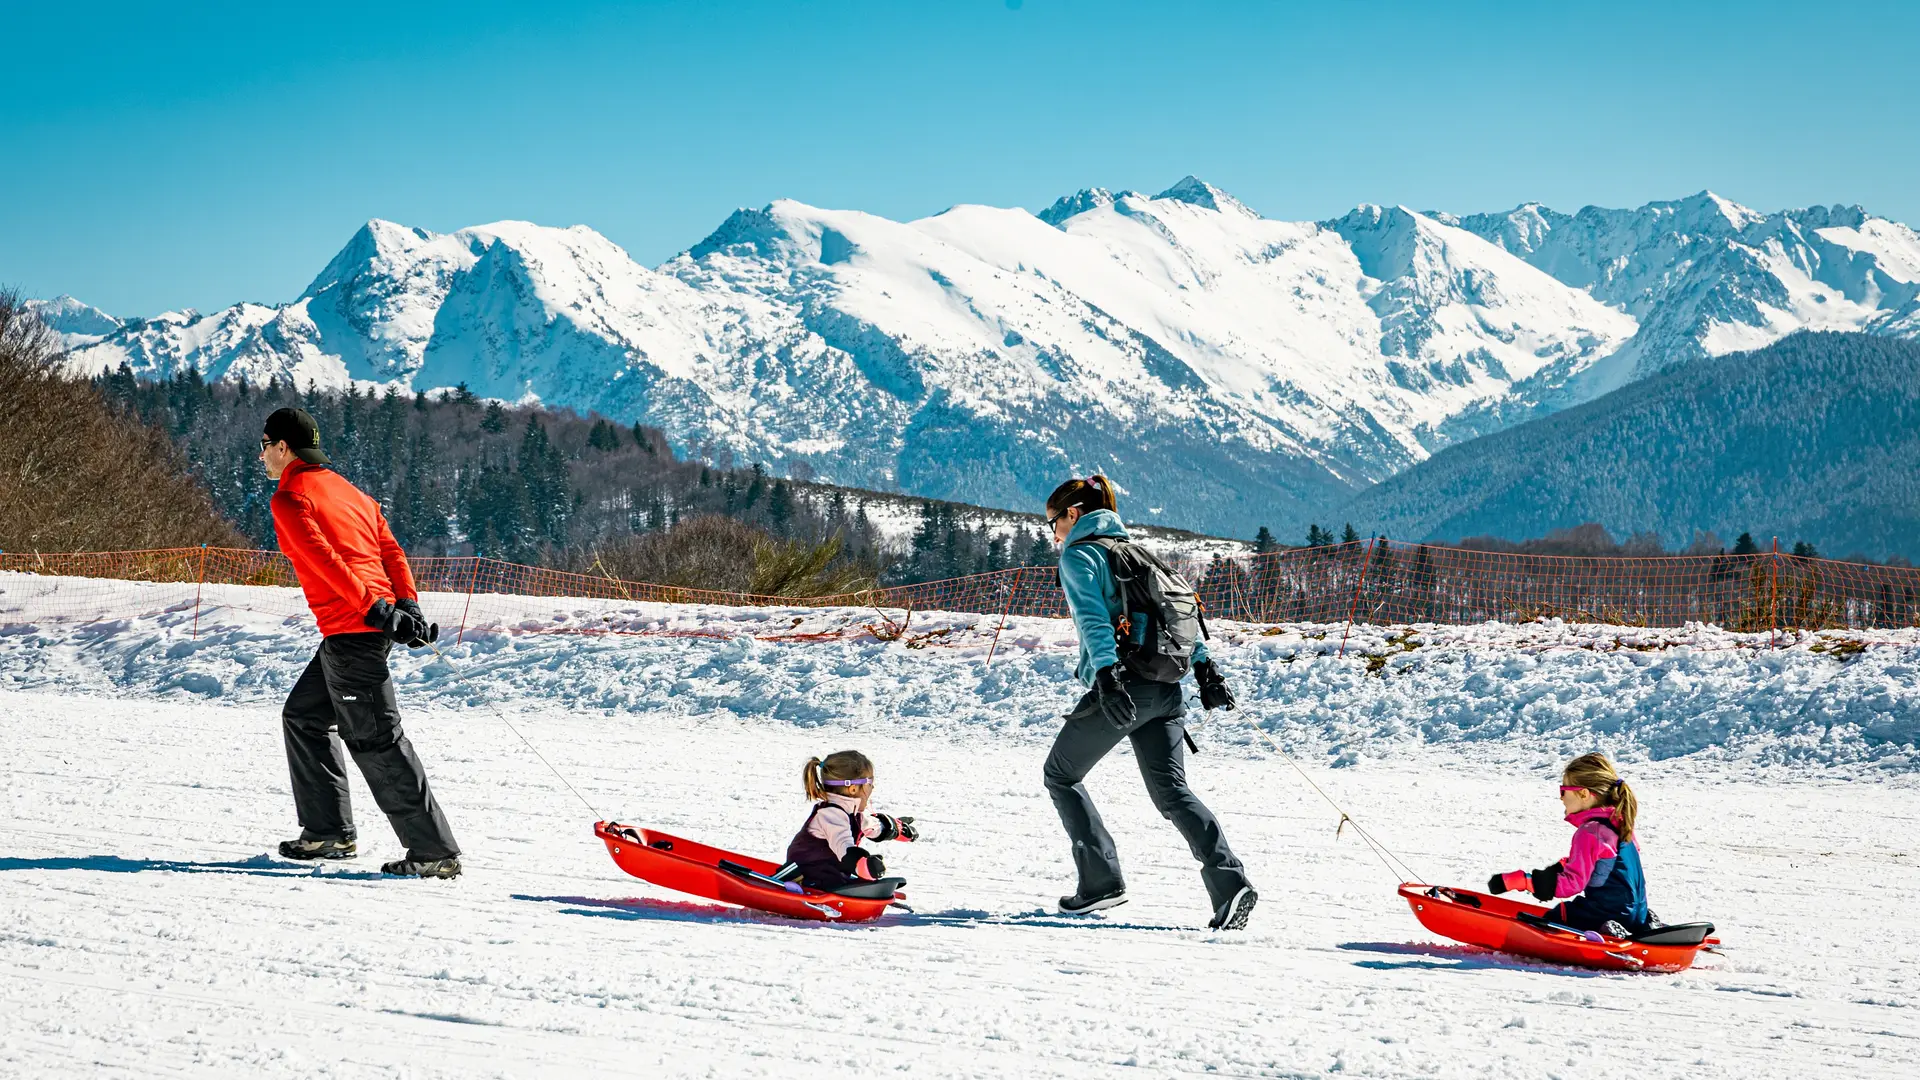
301, 434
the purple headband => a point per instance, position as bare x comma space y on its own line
846, 783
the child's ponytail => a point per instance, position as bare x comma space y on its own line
1595, 773
817, 774
1626, 808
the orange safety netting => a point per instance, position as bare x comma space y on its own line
1380, 582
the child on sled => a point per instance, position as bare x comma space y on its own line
1599, 882
830, 851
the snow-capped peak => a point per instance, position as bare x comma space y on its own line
77, 323
1736, 216
1197, 192
1079, 202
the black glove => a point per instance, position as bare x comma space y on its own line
893, 828
394, 622
1545, 881
1497, 884
861, 863
432, 633
1116, 705
1213, 688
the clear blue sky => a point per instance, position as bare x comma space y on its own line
153, 158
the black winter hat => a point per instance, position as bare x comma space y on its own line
302, 435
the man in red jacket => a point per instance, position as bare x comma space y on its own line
362, 595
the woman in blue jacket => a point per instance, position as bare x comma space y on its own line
1120, 704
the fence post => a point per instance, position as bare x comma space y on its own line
1773, 605
198, 587
1354, 607
1004, 609
472, 575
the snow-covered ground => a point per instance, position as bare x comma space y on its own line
145, 930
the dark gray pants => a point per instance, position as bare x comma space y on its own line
1159, 746
347, 687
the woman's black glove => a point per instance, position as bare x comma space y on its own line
1213, 688
896, 828
1116, 705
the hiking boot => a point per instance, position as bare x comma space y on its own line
448, 867
1234, 913
318, 848
1079, 904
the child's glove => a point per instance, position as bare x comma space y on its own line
896, 828
1546, 882
1511, 881
863, 864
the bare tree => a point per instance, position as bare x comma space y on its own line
75, 474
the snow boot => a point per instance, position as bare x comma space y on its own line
318, 848
448, 867
1077, 904
1234, 913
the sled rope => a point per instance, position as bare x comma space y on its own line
1387, 858
502, 717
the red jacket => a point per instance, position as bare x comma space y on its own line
340, 546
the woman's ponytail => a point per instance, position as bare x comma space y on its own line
1093, 493
810, 780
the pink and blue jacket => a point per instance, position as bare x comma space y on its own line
1601, 870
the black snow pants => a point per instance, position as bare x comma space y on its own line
347, 687
1158, 737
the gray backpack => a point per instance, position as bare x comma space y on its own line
1160, 599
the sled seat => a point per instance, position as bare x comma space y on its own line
1691, 933
881, 889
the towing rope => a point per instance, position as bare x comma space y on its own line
502, 717
1388, 859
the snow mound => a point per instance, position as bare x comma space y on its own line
1503, 691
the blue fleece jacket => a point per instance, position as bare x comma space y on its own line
1094, 596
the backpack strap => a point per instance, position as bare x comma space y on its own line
1121, 622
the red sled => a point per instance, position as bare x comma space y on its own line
685, 866
1524, 929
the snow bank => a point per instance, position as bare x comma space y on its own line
1514, 692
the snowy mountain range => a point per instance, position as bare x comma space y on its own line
1812, 438
1228, 370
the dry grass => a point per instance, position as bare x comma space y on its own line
726, 555
75, 475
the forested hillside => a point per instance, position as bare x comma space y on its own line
459, 475
1815, 437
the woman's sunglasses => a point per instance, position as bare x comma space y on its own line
1564, 788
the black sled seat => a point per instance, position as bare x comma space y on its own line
1689, 933
881, 889
1684, 934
